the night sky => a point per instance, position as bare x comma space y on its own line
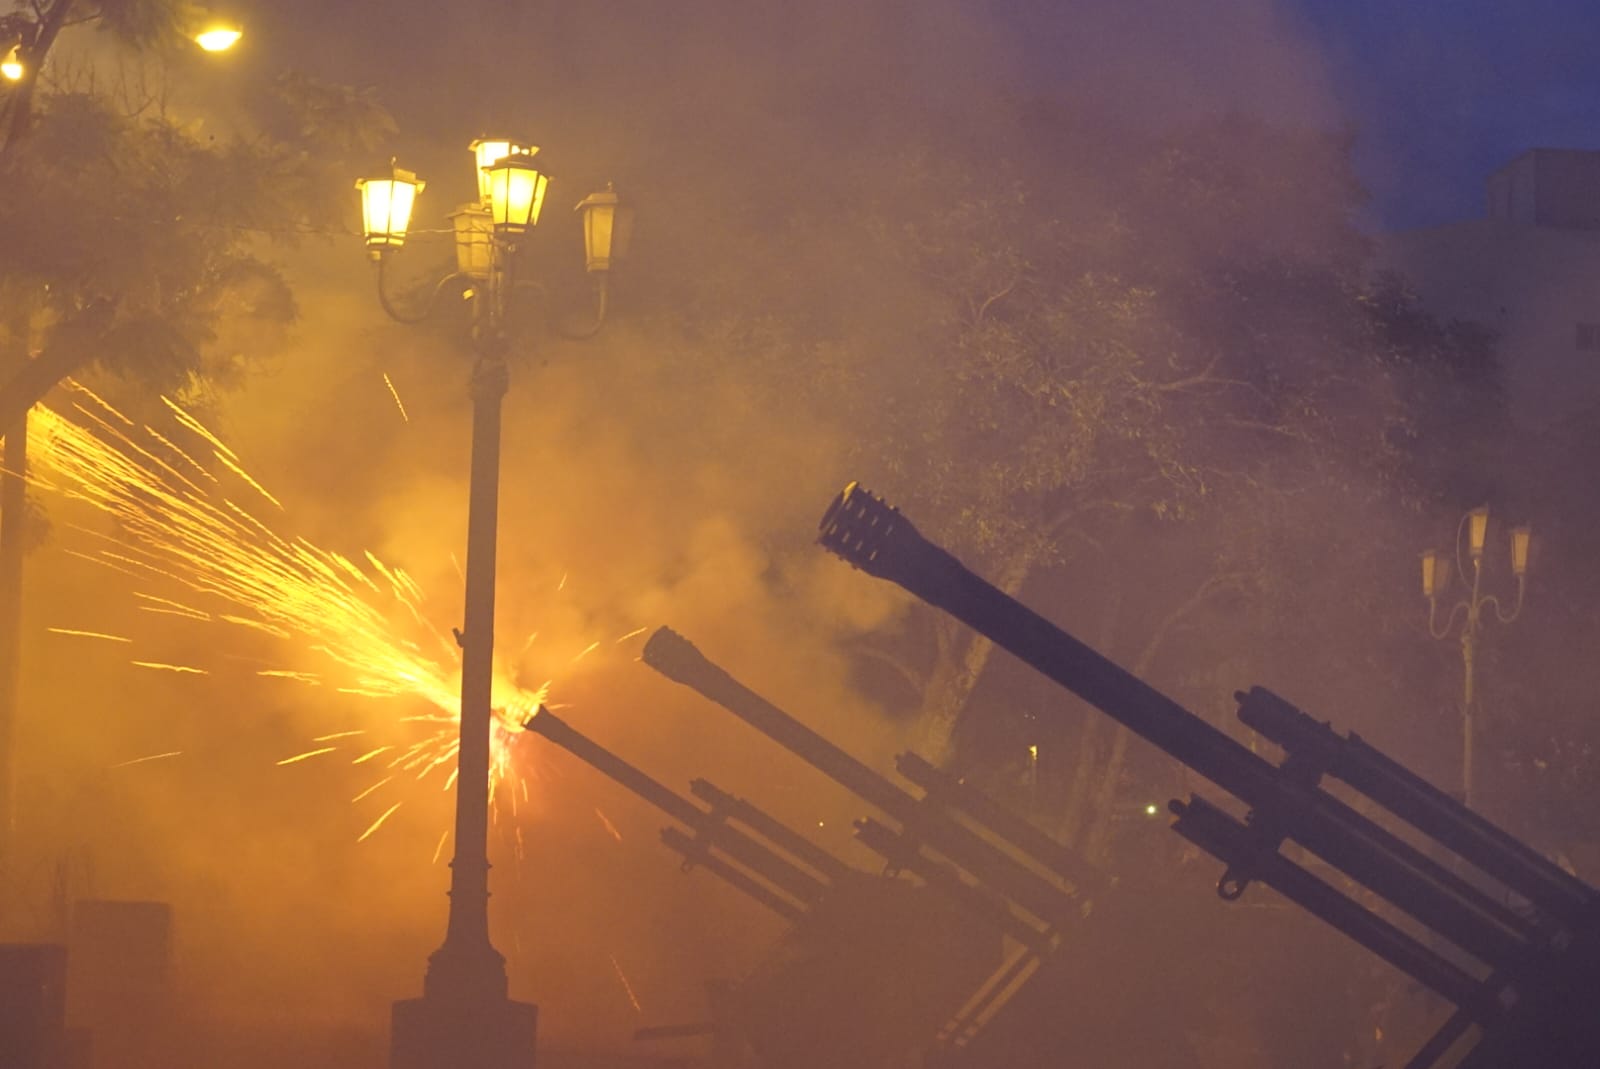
1443, 93
1439, 94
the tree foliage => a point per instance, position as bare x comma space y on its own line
135, 231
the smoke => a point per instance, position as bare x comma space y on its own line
645, 481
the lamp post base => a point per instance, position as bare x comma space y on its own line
449, 1033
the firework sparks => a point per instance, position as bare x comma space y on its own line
297, 758
181, 526
143, 760
376, 824
183, 669
625, 985
396, 395
87, 634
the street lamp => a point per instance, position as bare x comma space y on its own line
1471, 536
464, 1019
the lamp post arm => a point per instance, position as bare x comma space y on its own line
400, 315
1516, 609
602, 306
1449, 621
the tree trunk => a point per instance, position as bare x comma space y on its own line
1092, 732
1097, 839
13, 532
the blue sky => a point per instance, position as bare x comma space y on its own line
1443, 92
1440, 92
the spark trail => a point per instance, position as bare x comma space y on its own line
183, 526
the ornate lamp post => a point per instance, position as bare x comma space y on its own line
1471, 534
464, 1019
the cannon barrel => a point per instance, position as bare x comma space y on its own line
1224, 837
876, 538
903, 853
1537, 1006
709, 831
681, 661
1351, 759
958, 794
770, 828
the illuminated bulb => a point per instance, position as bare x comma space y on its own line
1151, 809
11, 66
218, 38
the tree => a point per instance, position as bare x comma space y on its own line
1153, 363
132, 238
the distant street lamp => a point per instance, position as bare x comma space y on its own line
1471, 535
464, 1019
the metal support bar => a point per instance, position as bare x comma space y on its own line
697, 853
1232, 842
1413, 799
902, 853
958, 794
771, 829
753, 855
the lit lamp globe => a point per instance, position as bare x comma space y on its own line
218, 35
488, 151
1520, 537
474, 230
516, 194
11, 68
386, 205
607, 227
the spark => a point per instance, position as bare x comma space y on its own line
233, 465
438, 850
376, 824
309, 753
194, 425
284, 673
152, 757
338, 735
610, 827
177, 606
631, 634
625, 985
87, 634
370, 789
370, 754
275, 632
181, 668
588, 650
396, 395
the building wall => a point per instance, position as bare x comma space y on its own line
1537, 287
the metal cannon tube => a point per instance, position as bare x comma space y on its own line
753, 855
877, 539
1220, 835
679, 660
771, 829
958, 794
1351, 759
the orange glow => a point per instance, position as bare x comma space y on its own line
182, 525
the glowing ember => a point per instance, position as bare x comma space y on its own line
183, 668
396, 395
376, 824
87, 634
143, 760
